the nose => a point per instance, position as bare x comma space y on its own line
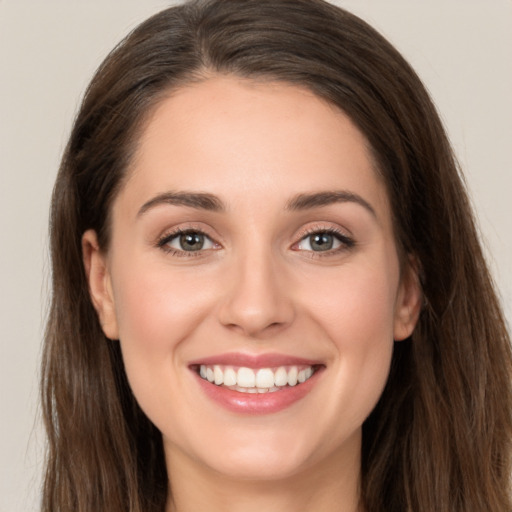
257, 301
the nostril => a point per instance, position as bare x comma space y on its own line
256, 300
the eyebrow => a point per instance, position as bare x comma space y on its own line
210, 202
197, 200
319, 199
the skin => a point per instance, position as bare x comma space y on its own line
257, 287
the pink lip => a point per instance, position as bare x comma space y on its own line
255, 360
256, 403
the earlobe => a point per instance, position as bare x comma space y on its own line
100, 286
409, 302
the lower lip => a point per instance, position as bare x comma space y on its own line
258, 403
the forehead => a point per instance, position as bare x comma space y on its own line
235, 137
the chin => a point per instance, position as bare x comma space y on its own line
270, 452
260, 465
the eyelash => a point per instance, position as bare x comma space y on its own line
163, 242
346, 242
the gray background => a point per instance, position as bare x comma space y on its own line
462, 49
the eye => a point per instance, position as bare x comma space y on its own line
323, 241
186, 241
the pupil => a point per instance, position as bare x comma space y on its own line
321, 242
192, 241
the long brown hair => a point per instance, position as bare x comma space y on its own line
439, 439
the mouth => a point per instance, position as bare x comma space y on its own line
262, 380
256, 384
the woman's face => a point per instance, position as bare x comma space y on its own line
252, 244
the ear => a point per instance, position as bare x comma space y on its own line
100, 285
409, 301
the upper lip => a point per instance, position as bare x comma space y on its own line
255, 361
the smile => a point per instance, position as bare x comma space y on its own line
261, 380
256, 384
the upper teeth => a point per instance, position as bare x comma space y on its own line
261, 379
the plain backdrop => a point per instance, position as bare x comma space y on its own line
462, 49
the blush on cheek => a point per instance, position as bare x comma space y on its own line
151, 309
358, 304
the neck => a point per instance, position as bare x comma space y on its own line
330, 486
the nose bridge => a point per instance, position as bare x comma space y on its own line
256, 299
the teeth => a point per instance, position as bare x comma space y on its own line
263, 380
229, 377
280, 377
218, 375
292, 376
245, 378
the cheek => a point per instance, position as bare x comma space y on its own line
356, 305
158, 307
356, 313
156, 311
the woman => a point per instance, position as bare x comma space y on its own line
268, 289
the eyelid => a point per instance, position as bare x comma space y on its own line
322, 226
